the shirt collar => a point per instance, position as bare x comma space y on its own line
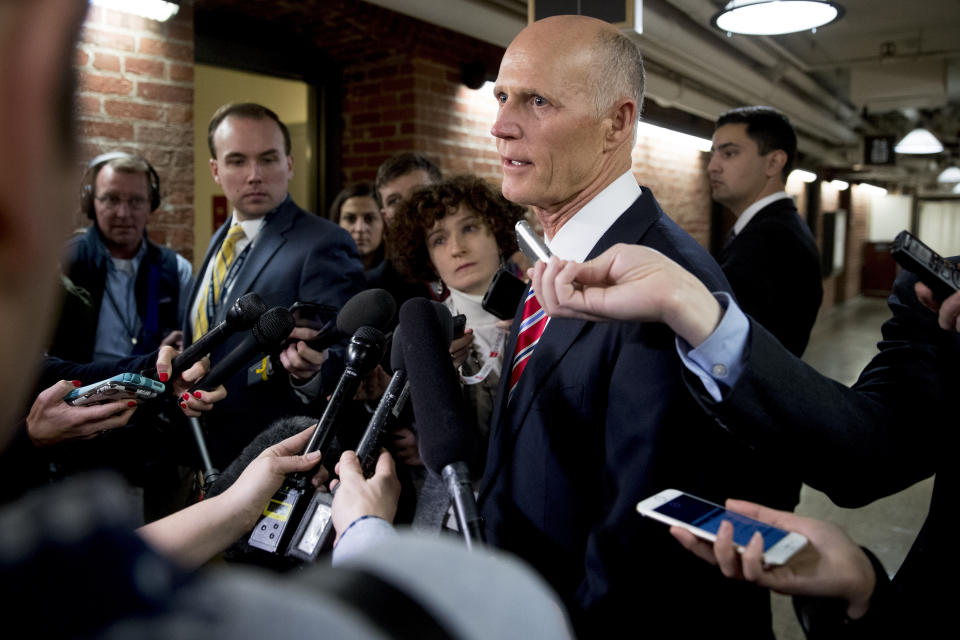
580, 234
251, 228
134, 262
753, 209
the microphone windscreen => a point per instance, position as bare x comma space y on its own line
369, 308
445, 318
396, 351
246, 310
443, 426
273, 326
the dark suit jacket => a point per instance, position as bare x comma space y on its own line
773, 266
894, 427
297, 256
600, 420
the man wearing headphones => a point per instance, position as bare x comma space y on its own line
126, 295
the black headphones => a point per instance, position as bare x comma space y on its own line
93, 170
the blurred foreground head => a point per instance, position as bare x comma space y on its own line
37, 47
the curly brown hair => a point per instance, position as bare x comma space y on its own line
427, 205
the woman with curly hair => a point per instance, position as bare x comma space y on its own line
457, 234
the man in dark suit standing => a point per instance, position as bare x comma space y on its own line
771, 260
592, 418
273, 247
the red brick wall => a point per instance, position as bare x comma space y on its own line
414, 104
136, 95
859, 216
678, 179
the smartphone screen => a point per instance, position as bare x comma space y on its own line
708, 516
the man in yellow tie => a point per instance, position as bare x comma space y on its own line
270, 246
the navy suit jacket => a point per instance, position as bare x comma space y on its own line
297, 257
600, 420
773, 266
895, 426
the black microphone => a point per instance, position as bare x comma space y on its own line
266, 337
369, 308
316, 533
289, 504
439, 410
241, 316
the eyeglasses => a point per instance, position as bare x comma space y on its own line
113, 201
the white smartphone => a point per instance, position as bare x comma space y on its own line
703, 519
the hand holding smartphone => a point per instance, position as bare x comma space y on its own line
125, 386
703, 518
941, 276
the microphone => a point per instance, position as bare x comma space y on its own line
266, 336
315, 532
440, 413
241, 316
288, 505
369, 308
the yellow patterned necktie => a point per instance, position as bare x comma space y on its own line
221, 267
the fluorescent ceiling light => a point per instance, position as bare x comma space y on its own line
873, 191
950, 174
802, 176
670, 136
773, 17
159, 10
919, 141
840, 185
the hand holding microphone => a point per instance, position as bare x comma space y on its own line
241, 316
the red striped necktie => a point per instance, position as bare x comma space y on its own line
531, 328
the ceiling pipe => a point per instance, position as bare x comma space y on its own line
701, 57
766, 51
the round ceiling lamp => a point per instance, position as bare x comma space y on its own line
918, 142
950, 174
774, 17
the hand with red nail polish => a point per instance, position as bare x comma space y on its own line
51, 420
199, 401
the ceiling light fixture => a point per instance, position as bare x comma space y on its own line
918, 142
774, 17
840, 185
872, 190
672, 136
950, 174
802, 176
159, 10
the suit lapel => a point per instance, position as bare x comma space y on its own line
556, 340
268, 242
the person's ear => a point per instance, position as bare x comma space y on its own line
776, 160
620, 122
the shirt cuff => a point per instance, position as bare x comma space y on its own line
363, 533
720, 359
307, 390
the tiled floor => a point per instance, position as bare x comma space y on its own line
843, 341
